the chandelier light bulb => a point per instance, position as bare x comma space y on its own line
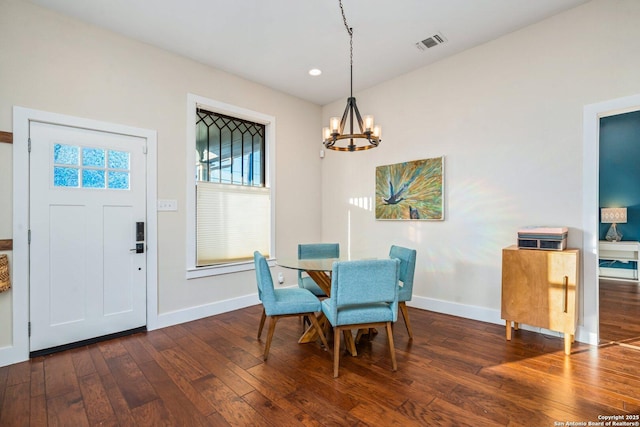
334, 124
368, 123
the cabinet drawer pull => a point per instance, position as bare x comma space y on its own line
565, 282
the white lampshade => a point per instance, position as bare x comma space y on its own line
368, 123
613, 215
334, 124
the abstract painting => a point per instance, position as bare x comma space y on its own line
411, 190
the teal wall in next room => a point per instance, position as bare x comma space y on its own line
620, 170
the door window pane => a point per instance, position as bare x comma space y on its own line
65, 177
93, 178
92, 157
65, 154
118, 160
118, 180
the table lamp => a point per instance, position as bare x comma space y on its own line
613, 216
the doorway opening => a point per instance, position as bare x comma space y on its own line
590, 311
619, 296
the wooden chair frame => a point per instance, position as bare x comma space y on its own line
362, 326
272, 327
402, 305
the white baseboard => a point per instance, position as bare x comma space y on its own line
489, 315
473, 312
202, 311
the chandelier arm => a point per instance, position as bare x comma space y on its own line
343, 120
358, 117
350, 103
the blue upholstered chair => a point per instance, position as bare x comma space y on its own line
315, 250
279, 303
364, 294
407, 259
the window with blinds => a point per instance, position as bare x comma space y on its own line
233, 205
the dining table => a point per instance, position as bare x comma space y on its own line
319, 269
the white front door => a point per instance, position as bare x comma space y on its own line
87, 195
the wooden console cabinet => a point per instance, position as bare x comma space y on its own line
539, 288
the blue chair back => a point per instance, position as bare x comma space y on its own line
407, 259
315, 251
318, 250
266, 291
365, 291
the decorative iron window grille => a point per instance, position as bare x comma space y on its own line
229, 150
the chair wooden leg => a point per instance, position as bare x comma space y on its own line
272, 328
392, 349
314, 321
262, 319
405, 315
336, 350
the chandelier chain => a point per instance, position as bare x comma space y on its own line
349, 31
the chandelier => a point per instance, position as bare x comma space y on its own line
369, 135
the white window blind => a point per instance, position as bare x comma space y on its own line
233, 221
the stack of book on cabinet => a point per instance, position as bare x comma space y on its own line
543, 237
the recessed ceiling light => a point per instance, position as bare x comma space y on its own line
315, 72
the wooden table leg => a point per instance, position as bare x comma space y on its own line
324, 282
349, 342
322, 279
311, 335
508, 325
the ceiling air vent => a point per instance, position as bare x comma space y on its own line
430, 42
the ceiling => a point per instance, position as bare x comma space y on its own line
276, 42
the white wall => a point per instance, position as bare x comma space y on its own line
507, 116
54, 63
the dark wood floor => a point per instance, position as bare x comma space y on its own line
210, 372
619, 311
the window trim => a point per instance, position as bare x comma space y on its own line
193, 102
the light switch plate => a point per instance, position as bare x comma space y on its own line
167, 205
